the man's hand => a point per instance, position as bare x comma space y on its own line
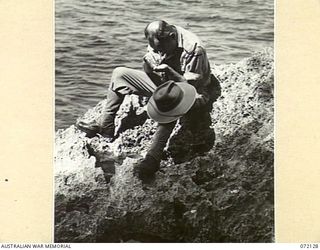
149, 61
173, 75
162, 68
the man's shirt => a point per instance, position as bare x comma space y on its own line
190, 60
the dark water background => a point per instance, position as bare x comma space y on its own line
93, 37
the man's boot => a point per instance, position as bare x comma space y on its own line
107, 127
145, 170
92, 128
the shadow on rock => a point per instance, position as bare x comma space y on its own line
132, 120
186, 145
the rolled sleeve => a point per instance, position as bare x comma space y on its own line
198, 73
196, 66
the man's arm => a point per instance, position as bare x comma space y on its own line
196, 65
196, 68
197, 72
201, 99
149, 63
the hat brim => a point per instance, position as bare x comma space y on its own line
189, 97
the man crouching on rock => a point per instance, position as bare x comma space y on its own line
177, 77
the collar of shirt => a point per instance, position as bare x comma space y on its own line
187, 40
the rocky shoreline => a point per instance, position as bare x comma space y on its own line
224, 195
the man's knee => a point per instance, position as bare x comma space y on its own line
119, 72
117, 78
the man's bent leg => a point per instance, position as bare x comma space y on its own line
124, 81
109, 111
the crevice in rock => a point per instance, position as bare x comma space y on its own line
132, 120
